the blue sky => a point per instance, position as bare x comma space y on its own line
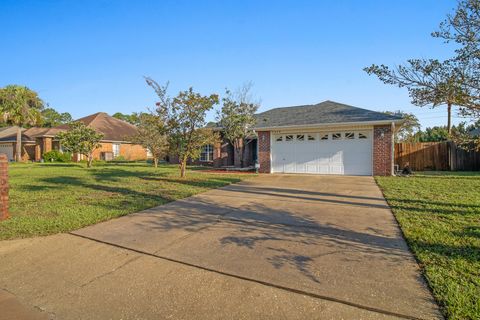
89, 56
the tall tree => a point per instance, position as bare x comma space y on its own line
130, 118
52, 118
463, 28
184, 118
237, 119
429, 82
21, 107
152, 135
80, 139
410, 126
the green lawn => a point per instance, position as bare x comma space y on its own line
52, 198
440, 217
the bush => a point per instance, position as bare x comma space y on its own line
119, 159
57, 156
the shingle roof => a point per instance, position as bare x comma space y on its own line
8, 134
113, 129
327, 112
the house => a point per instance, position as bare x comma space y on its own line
115, 143
325, 138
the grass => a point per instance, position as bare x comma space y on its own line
439, 214
52, 198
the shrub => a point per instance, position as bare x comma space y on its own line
57, 156
119, 159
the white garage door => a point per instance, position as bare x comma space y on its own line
337, 152
7, 148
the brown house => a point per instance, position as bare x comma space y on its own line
325, 138
115, 143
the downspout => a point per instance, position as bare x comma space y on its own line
393, 149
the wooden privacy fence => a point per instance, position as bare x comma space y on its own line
436, 156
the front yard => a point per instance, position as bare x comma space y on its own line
439, 214
52, 198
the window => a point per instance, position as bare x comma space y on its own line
289, 137
349, 135
300, 137
279, 138
324, 137
116, 149
310, 137
207, 153
336, 136
362, 136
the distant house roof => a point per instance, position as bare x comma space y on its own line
113, 129
475, 132
9, 134
327, 112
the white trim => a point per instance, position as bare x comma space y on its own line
327, 125
270, 152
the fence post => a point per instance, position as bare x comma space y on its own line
3, 187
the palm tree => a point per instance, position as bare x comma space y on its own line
21, 107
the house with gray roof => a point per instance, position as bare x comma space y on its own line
324, 138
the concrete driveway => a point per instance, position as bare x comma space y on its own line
277, 246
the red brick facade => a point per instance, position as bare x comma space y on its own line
382, 150
264, 151
3, 187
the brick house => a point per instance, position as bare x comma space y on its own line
325, 138
115, 143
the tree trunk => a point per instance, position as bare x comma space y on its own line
89, 160
183, 168
238, 154
18, 147
155, 162
449, 121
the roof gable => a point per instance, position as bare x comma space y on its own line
113, 129
327, 112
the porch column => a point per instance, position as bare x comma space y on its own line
47, 144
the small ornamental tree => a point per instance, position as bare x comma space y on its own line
237, 119
80, 139
152, 135
21, 107
184, 118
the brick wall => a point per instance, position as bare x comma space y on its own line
3, 187
129, 151
133, 151
382, 150
264, 151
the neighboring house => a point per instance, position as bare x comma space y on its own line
326, 138
474, 132
115, 143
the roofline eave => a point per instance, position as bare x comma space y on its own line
338, 124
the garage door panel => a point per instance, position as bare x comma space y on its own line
347, 154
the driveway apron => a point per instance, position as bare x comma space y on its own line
330, 237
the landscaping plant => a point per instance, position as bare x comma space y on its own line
80, 139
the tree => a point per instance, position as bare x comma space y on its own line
133, 118
429, 82
184, 118
433, 134
21, 107
410, 126
80, 139
152, 135
237, 119
463, 28
52, 118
